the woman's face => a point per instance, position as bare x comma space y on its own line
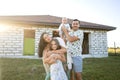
53, 45
47, 38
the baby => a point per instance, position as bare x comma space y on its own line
63, 24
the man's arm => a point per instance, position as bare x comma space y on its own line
70, 38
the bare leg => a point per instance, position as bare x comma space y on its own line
72, 75
78, 76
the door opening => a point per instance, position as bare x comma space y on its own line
85, 45
29, 42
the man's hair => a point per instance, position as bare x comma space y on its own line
77, 20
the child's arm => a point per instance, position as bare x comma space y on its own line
60, 30
49, 59
52, 60
61, 57
70, 38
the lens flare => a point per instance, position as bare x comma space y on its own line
3, 28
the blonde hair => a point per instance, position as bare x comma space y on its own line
64, 18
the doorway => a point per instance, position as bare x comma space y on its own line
85, 45
29, 42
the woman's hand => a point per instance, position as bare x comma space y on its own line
50, 53
58, 57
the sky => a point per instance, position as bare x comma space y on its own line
105, 12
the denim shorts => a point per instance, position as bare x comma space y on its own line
77, 63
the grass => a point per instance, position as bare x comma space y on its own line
112, 50
22, 69
102, 68
32, 69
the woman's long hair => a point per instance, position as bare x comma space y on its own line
42, 44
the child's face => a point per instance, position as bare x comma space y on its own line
64, 20
53, 45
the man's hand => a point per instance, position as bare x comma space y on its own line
64, 29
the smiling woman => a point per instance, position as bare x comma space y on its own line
3, 28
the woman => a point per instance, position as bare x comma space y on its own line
44, 45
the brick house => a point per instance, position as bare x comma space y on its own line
19, 35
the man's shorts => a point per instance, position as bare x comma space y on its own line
77, 63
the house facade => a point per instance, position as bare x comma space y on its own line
20, 35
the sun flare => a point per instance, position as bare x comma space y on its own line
3, 28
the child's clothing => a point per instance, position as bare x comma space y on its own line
57, 71
61, 33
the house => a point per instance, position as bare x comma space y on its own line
20, 35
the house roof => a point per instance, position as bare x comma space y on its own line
50, 20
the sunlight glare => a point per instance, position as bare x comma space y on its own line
3, 28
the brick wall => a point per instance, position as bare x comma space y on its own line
97, 43
12, 41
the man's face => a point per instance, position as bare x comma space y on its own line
75, 25
47, 38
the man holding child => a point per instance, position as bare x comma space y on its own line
74, 39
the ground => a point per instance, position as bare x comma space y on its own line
32, 69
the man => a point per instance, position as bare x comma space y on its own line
74, 47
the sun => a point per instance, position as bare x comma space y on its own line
3, 28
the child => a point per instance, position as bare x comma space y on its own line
66, 25
55, 61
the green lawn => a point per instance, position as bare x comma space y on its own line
32, 69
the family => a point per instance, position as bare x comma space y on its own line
53, 51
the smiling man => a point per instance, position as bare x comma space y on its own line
74, 47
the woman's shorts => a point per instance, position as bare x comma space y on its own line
77, 63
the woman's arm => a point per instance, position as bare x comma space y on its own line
63, 47
60, 51
61, 57
47, 58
